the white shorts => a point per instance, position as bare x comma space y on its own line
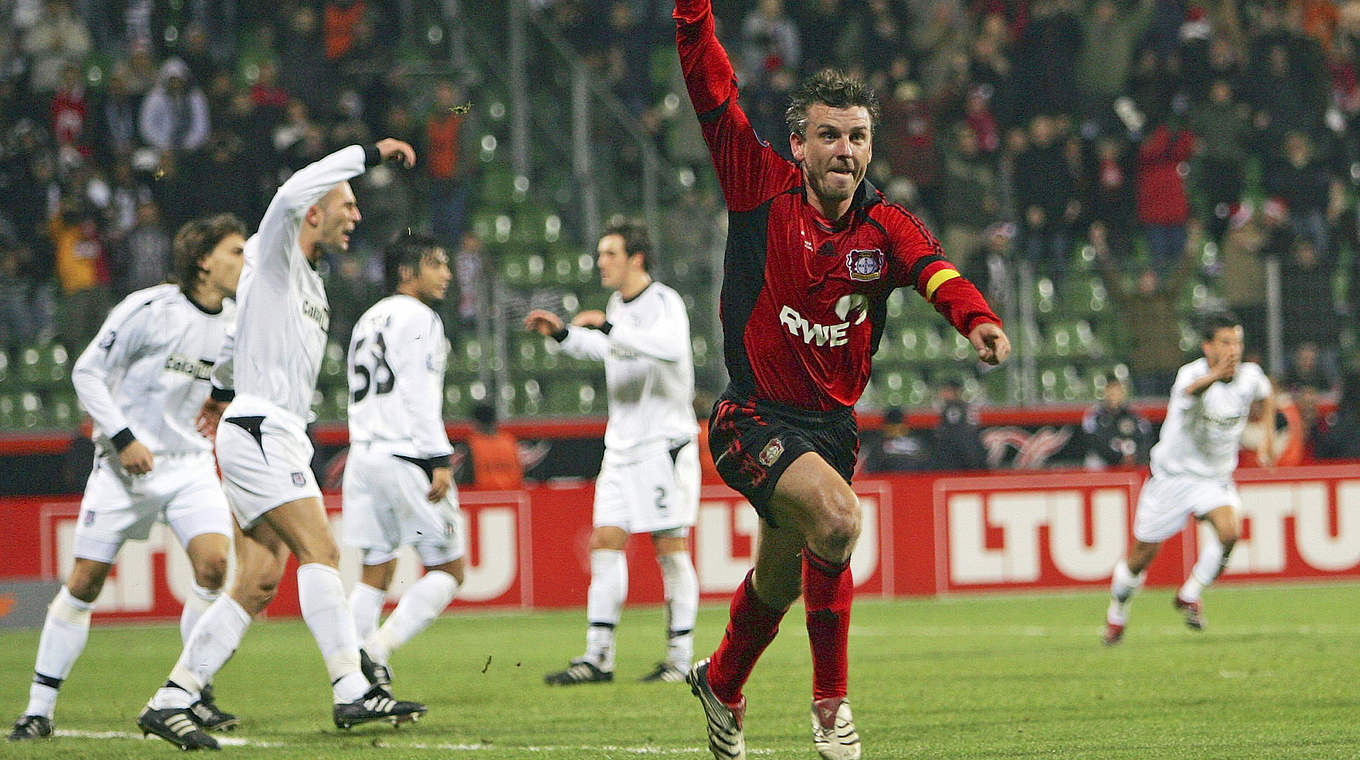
658, 492
1166, 501
266, 459
180, 489
385, 507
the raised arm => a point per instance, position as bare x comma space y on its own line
749, 170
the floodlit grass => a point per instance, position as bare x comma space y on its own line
1276, 675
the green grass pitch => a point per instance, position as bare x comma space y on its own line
1275, 675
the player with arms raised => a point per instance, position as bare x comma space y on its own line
813, 251
265, 455
1192, 467
398, 486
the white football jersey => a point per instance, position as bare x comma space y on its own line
284, 315
148, 368
648, 368
1202, 434
396, 378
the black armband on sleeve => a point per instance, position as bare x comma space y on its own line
440, 461
122, 439
560, 335
606, 327
371, 155
222, 394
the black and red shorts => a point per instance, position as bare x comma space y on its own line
754, 441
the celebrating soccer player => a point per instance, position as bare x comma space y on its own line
813, 251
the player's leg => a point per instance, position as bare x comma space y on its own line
1225, 526
1163, 506
261, 557
64, 633
1127, 578
681, 586
208, 557
604, 604
816, 499
303, 526
419, 606
368, 595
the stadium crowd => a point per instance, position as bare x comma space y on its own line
1166, 140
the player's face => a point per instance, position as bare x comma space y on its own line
433, 276
1226, 343
613, 260
223, 264
339, 215
835, 152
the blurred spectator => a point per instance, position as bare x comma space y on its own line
1045, 59
18, 326
68, 113
1341, 439
1163, 205
1300, 181
226, 177
339, 19
820, 23
450, 145
1224, 133
1109, 35
770, 41
1110, 193
907, 137
113, 118
302, 66
495, 453
1114, 434
1145, 309
174, 115
970, 200
1309, 369
82, 270
58, 38
957, 440
1307, 303
468, 265
1045, 199
142, 257
894, 448
1254, 234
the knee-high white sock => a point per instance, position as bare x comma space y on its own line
198, 602
366, 603
1123, 586
604, 604
64, 633
322, 598
418, 607
1207, 568
682, 606
213, 641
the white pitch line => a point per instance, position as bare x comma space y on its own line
233, 741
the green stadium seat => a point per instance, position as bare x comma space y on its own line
41, 367
61, 410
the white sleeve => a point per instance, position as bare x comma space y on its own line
120, 338
418, 344
1264, 386
665, 339
224, 369
585, 343
280, 223
1179, 398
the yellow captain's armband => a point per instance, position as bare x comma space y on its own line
938, 279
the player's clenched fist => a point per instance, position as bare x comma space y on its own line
392, 149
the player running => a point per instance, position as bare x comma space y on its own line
265, 455
1192, 467
813, 251
143, 380
398, 486
649, 478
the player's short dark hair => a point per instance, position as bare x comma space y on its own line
406, 250
1211, 323
194, 241
636, 240
833, 88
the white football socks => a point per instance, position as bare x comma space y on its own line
198, 602
64, 633
366, 603
322, 598
418, 607
1207, 567
212, 642
682, 606
1123, 585
604, 604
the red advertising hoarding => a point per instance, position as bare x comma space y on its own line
922, 534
